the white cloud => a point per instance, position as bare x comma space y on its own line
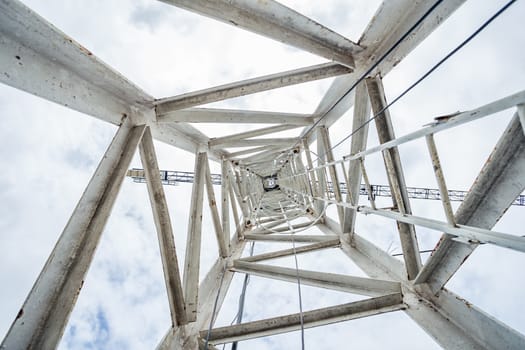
49, 153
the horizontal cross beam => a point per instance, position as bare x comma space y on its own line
314, 318
343, 283
249, 86
278, 22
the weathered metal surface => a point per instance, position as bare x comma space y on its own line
396, 178
249, 86
162, 220
212, 202
214, 115
450, 320
314, 318
43, 317
193, 242
271, 19
37, 58
494, 190
440, 178
287, 252
250, 134
343, 283
358, 144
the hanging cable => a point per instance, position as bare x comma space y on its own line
374, 66
301, 318
215, 307
242, 298
430, 71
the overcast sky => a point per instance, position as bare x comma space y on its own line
48, 154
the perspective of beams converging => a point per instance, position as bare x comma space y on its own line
323, 192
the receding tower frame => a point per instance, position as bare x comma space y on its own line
41, 60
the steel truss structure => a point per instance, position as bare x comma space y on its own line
38, 58
170, 177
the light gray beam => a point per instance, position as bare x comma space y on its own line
225, 198
44, 315
521, 114
454, 121
450, 320
193, 242
288, 252
263, 155
313, 318
259, 142
212, 202
460, 324
235, 184
358, 144
215, 115
343, 283
288, 238
327, 150
38, 58
249, 86
251, 133
212, 290
162, 220
268, 229
390, 22
278, 22
321, 172
498, 184
251, 151
458, 233
396, 178
233, 203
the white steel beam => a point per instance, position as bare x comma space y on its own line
212, 202
454, 121
251, 133
278, 22
343, 283
193, 242
44, 315
259, 142
225, 211
288, 238
521, 114
390, 22
321, 172
498, 184
358, 144
263, 155
233, 203
313, 318
251, 151
215, 115
458, 233
38, 58
396, 178
288, 252
249, 86
162, 220
212, 290
450, 320
269, 229
327, 151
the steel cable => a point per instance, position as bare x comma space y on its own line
424, 76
